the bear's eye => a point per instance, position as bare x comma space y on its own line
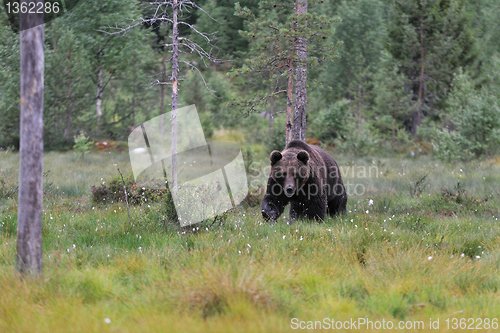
279, 174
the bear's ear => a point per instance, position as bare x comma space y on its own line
275, 156
303, 156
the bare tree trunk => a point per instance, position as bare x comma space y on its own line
133, 95
133, 107
29, 219
359, 105
175, 74
289, 91
289, 103
98, 106
299, 117
68, 99
271, 114
68, 121
162, 107
418, 117
162, 99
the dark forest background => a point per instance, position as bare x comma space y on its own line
411, 76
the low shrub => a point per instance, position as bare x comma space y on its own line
112, 191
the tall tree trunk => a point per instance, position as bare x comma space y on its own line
289, 91
133, 107
299, 117
359, 105
289, 103
68, 121
162, 99
418, 117
29, 218
175, 74
68, 99
271, 115
162, 107
98, 105
133, 95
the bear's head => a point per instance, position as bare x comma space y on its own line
290, 169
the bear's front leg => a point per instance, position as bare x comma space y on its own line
274, 201
314, 209
297, 210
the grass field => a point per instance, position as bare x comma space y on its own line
421, 241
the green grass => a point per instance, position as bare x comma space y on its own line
400, 257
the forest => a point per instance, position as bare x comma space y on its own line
403, 94
386, 76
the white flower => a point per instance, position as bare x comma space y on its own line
430, 258
107, 320
284, 236
370, 202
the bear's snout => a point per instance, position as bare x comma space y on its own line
289, 190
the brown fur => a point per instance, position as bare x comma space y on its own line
308, 178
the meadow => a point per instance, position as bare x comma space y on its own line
420, 243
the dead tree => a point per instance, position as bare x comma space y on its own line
29, 218
174, 13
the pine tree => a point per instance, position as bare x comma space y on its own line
430, 39
285, 40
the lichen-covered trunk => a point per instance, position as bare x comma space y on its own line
29, 217
175, 74
289, 90
299, 116
289, 102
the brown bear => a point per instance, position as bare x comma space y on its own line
308, 178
